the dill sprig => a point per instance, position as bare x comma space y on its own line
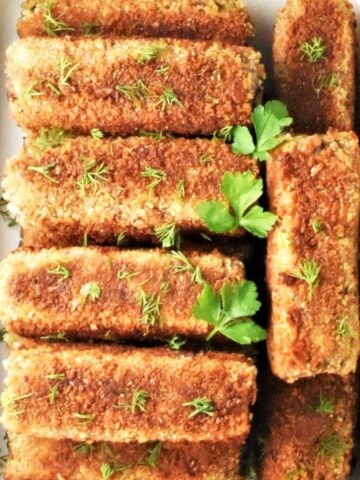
120, 239
331, 446
55, 376
224, 133
309, 272
45, 170
317, 226
180, 188
176, 342
10, 403
60, 270
149, 53
90, 29
155, 135
84, 448
53, 394
185, 265
123, 275
137, 93
84, 418
168, 98
32, 92
314, 50
67, 68
200, 406
327, 81
107, 470
343, 329
163, 70
150, 304
91, 291
95, 172
158, 176
206, 158
168, 235
59, 337
53, 25
151, 458
139, 400
96, 134
4, 213
54, 88
50, 138
325, 405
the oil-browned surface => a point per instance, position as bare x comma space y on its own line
313, 185
297, 445
207, 85
60, 213
46, 459
35, 302
206, 19
98, 380
298, 81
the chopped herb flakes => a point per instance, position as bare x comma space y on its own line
108, 470
180, 188
137, 93
120, 239
168, 98
325, 405
53, 394
229, 313
97, 134
317, 226
150, 307
184, 265
269, 122
314, 50
331, 446
200, 406
343, 329
91, 291
149, 53
241, 190
151, 458
309, 272
67, 68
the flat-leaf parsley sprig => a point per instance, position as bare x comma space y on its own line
230, 312
241, 190
269, 121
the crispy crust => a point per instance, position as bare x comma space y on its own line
314, 179
59, 214
216, 85
46, 459
294, 445
57, 305
98, 377
206, 20
297, 79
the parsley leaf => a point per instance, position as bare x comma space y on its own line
269, 122
229, 313
241, 190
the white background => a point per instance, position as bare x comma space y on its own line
262, 13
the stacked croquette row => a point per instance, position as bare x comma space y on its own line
77, 410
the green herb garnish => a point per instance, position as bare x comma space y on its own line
343, 329
67, 68
149, 53
314, 50
61, 271
229, 313
176, 342
317, 226
54, 88
201, 406
45, 171
168, 235
150, 304
59, 337
53, 394
107, 470
137, 93
241, 190
325, 405
139, 400
32, 92
84, 418
327, 81
309, 272
180, 188
163, 70
10, 403
96, 134
55, 376
120, 239
51, 138
152, 456
4, 213
269, 122
158, 176
122, 275
331, 446
53, 25
91, 291
94, 173
169, 98
184, 265
84, 448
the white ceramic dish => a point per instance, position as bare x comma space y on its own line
262, 13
